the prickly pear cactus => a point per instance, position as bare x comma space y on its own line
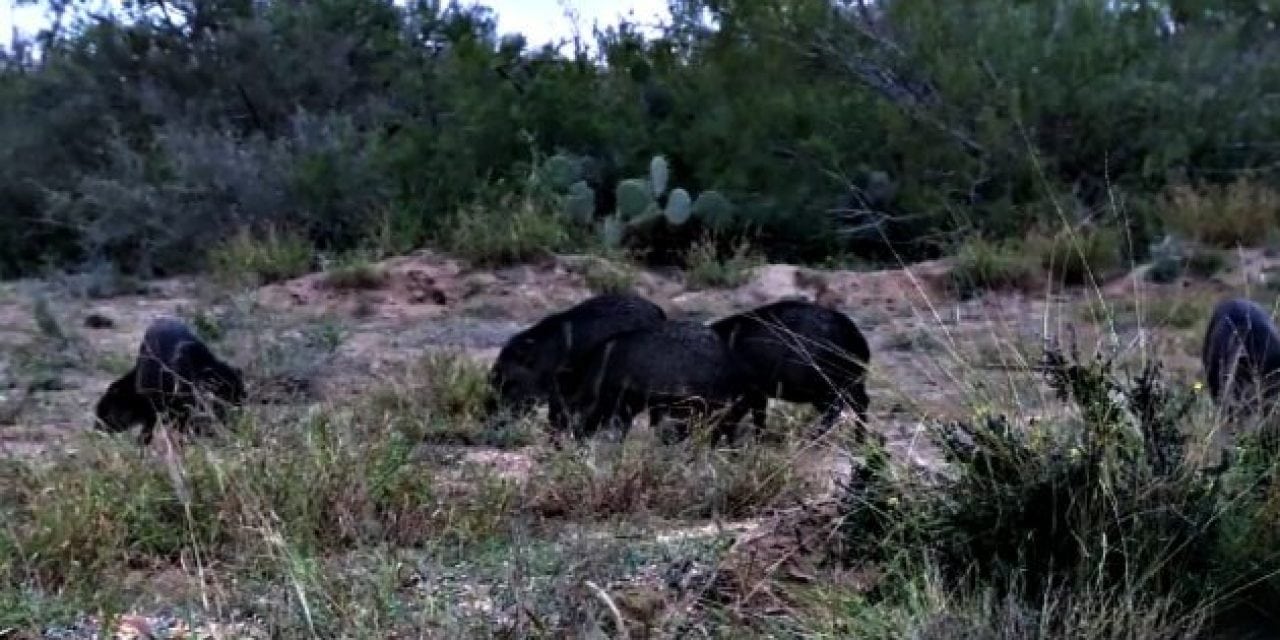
713, 209
560, 172
658, 175
634, 199
679, 207
646, 220
580, 203
612, 231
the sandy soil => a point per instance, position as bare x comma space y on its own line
932, 354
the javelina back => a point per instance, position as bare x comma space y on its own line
530, 364
1241, 355
801, 352
677, 366
171, 367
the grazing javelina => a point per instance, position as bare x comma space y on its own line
677, 367
798, 351
171, 364
1241, 348
529, 365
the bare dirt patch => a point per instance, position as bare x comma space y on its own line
930, 351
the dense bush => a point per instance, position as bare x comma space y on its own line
1109, 504
144, 137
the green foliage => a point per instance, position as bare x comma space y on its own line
580, 203
679, 207
658, 175
642, 212
1206, 263
509, 230
1081, 257
874, 133
984, 265
250, 259
1172, 258
1238, 213
1111, 504
714, 209
634, 199
354, 271
707, 267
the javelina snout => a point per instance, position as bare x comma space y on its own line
173, 372
1241, 356
531, 364
676, 368
801, 352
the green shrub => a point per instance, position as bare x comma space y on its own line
514, 230
1109, 504
1079, 257
252, 259
981, 265
1206, 263
682, 481
706, 268
1238, 213
354, 272
327, 482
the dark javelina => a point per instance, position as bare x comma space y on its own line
172, 364
676, 367
1242, 349
801, 352
529, 365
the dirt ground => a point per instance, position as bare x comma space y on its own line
933, 356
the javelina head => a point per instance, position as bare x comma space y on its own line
120, 407
225, 382
519, 377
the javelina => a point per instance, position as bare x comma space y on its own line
529, 366
801, 352
677, 367
172, 365
1241, 349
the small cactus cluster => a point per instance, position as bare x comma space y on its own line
640, 201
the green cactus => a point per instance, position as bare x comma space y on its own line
713, 209
634, 199
559, 172
679, 207
612, 231
580, 203
658, 175
645, 220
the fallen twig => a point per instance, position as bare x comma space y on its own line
613, 608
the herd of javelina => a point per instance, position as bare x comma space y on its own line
606, 359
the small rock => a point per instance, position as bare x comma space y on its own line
99, 321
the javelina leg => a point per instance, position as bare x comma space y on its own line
727, 426
831, 409
657, 414
621, 421
557, 412
679, 430
759, 405
147, 430
604, 407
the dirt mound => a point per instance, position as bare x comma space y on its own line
426, 284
